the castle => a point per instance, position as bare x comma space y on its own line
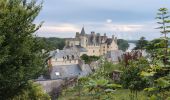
67, 63
92, 44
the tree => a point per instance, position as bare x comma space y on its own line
131, 79
164, 21
141, 44
122, 44
21, 58
33, 92
154, 48
52, 43
89, 59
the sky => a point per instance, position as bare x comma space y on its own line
126, 19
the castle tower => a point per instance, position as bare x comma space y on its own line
83, 38
83, 32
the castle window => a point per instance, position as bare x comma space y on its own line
93, 51
67, 57
72, 56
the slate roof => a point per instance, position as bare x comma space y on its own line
67, 71
63, 53
93, 38
109, 41
114, 55
83, 31
80, 48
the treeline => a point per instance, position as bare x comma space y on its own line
52, 43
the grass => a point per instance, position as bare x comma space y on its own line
122, 94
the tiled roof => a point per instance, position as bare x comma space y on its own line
63, 53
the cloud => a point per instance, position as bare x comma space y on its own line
124, 27
126, 31
128, 19
59, 28
109, 21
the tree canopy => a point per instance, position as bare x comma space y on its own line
21, 58
141, 44
122, 44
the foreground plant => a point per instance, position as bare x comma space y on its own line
21, 58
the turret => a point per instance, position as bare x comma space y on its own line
93, 37
77, 34
99, 38
83, 32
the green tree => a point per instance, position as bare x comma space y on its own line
122, 44
141, 44
131, 79
52, 43
154, 48
21, 58
32, 92
164, 21
89, 59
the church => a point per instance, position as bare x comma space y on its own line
92, 44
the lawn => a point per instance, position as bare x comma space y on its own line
117, 95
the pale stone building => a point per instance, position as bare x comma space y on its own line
66, 64
92, 44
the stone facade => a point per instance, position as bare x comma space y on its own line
95, 44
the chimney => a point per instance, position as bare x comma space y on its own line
116, 39
93, 33
113, 37
77, 34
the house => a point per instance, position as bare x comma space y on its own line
67, 64
114, 56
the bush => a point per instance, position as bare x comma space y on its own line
32, 92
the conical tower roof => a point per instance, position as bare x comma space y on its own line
83, 31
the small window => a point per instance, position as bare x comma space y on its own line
93, 51
57, 73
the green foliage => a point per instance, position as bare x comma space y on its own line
122, 44
52, 43
33, 91
156, 50
164, 22
163, 82
131, 78
141, 44
89, 59
21, 58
